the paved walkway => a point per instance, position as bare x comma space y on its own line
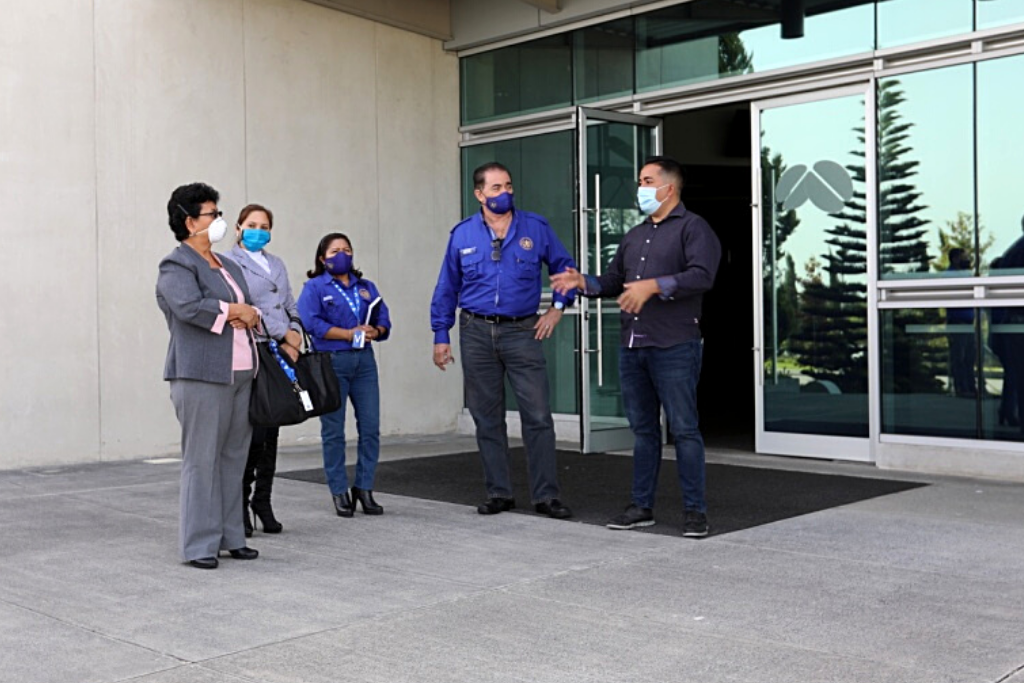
923, 586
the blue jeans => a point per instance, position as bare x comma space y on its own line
489, 352
357, 375
653, 378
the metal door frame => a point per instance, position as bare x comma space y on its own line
591, 442
812, 445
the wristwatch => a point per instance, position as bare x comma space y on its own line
558, 305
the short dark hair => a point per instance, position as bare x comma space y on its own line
321, 251
670, 169
187, 201
479, 175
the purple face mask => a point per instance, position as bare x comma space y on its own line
339, 264
501, 204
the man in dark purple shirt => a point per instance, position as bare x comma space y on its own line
659, 274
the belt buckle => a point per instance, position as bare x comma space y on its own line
492, 319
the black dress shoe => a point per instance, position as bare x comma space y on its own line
244, 553
365, 498
495, 505
553, 508
343, 505
204, 563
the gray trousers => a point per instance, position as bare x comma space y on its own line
215, 436
490, 352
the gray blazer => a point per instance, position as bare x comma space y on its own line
189, 293
271, 293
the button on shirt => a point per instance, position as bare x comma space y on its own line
682, 253
511, 286
321, 307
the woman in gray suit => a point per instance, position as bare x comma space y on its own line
211, 361
271, 292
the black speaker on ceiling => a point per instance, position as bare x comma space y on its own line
793, 12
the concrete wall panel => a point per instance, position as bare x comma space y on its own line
418, 195
49, 409
171, 111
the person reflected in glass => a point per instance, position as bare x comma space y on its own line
211, 362
267, 278
997, 341
1012, 328
960, 326
344, 313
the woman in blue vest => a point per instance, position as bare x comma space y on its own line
344, 314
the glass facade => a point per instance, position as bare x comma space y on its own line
704, 40
521, 79
814, 263
948, 144
953, 372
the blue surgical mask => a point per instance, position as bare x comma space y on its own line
503, 203
646, 199
339, 264
254, 239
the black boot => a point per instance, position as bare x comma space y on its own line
264, 448
262, 509
343, 505
248, 519
365, 496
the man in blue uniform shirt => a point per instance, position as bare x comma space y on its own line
659, 274
492, 271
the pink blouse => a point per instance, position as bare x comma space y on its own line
241, 356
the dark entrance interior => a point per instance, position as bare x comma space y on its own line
714, 145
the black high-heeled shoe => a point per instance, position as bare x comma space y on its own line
365, 496
248, 522
265, 513
343, 505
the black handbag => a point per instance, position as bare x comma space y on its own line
277, 401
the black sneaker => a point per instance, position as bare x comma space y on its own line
695, 524
495, 505
633, 518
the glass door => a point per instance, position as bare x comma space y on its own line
612, 148
813, 214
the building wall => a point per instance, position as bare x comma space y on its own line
333, 121
511, 18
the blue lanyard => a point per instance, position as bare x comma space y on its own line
354, 305
289, 371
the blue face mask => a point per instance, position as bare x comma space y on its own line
501, 204
646, 199
255, 239
339, 264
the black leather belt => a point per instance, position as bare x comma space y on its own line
493, 319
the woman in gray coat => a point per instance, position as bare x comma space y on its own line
271, 292
211, 361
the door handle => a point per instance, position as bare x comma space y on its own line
597, 270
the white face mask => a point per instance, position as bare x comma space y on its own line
217, 229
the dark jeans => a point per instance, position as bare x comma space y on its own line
653, 378
261, 465
962, 351
357, 375
489, 352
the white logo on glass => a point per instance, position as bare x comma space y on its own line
828, 186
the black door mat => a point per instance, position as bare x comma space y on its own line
597, 487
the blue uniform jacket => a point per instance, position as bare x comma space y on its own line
321, 307
470, 278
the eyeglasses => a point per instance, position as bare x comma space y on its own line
496, 249
215, 214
